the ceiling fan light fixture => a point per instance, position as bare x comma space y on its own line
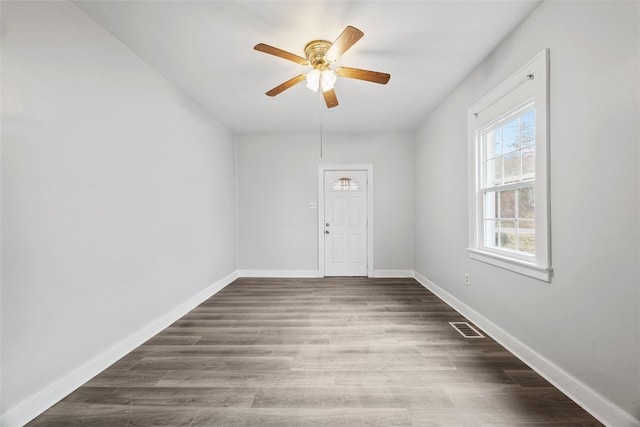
328, 79
320, 55
313, 79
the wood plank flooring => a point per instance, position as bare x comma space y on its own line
303, 352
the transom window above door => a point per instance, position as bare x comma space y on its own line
345, 184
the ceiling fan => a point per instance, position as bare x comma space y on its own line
320, 54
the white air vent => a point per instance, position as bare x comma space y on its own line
466, 330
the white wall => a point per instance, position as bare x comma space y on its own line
118, 196
585, 322
277, 178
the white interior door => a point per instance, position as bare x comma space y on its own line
345, 223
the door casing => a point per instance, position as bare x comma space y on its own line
321, 203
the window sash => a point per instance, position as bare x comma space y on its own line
487, 148
490, 226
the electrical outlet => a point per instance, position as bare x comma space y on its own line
466, 279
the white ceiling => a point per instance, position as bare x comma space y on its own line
206, 49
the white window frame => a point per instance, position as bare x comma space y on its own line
529, 83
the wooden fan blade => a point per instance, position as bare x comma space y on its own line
286, 85
265, 48
330, 98
370, 76
345, 40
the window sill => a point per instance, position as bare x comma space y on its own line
511, 264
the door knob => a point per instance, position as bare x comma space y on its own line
327, 224
326, 231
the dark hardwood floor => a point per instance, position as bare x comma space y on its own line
345, 351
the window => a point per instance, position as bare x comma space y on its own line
508, 182
508, 188
345, 184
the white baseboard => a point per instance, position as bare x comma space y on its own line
315, 273
278, 273
393, 273
597, 405
37, 403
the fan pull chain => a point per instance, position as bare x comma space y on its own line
321, 134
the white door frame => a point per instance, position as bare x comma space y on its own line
345, 167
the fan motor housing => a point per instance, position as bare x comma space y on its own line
315, 52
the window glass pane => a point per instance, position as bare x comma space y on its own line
494, 172
507, 204
512, 167
528, 162
510, 136
528, 128
526, 236
499, 170
507, 234
526, 203
497, 143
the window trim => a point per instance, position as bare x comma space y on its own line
537, 72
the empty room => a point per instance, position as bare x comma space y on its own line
252, 213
